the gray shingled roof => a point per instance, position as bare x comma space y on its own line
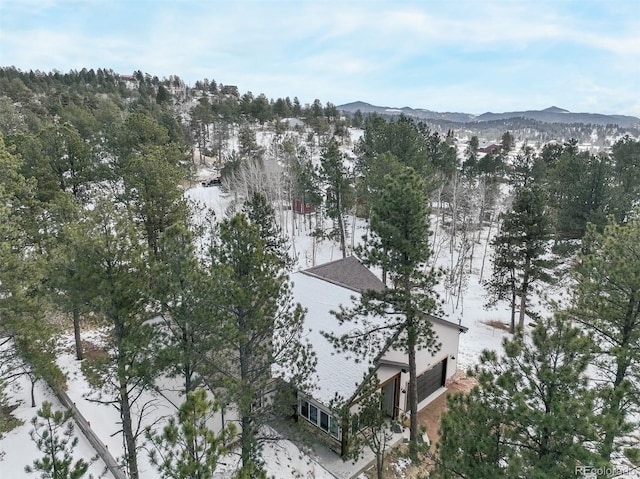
349, 273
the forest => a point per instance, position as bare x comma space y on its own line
97, 233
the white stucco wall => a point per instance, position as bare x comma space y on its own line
448, 337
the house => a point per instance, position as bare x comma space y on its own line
302, 207
325, 288
493, 148
130, 81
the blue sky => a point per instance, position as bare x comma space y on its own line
472, 56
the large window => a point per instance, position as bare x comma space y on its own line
319, 418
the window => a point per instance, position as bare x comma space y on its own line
335, 427
320, 418
324, 421
313, 414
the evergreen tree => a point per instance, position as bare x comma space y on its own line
519, 250
151, 165
23, 300
401, 138
579, 186
67, 289
258, 328
69, 158
153, 188
180, 289
470, 163
115, 261
508, 142
53, 434
339, 195
249, 149
399, 243
531, 414
374, 176
307, 184
606, 301
375, 429
188, 449
626, 177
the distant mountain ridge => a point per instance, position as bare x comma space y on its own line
552, 114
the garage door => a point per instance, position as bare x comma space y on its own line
432, 380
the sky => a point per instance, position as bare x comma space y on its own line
468, 56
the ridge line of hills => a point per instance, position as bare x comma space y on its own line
552, 114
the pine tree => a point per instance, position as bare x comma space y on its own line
531, 414
115, 261
30, 348
258, 328
339, 195
579, 186
519, 250
508, 142
626, 177
375, 429
470, 163
151, 167
606, 301
399, 243
188, 449
180, 291
53, 434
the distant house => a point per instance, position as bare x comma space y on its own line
325, 288
130, 81
231, 90
302, 207
493, 148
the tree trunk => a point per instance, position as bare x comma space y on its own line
188, 372
523, 294
380, 464
246, 443
513, 305
343, 240
130, 452
413, 391
613, 410
614, 414
486, 246
76, 333
247, 451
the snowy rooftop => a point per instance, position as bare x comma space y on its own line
336, 373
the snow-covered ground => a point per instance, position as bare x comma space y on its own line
284, 460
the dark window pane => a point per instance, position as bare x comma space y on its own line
304, 409
324, 421
313, 414
335, 429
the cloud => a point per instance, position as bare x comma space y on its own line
487, 55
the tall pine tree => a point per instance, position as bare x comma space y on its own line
339, 195
258, 327
519, 251
531, 414
399, 243
606, 301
